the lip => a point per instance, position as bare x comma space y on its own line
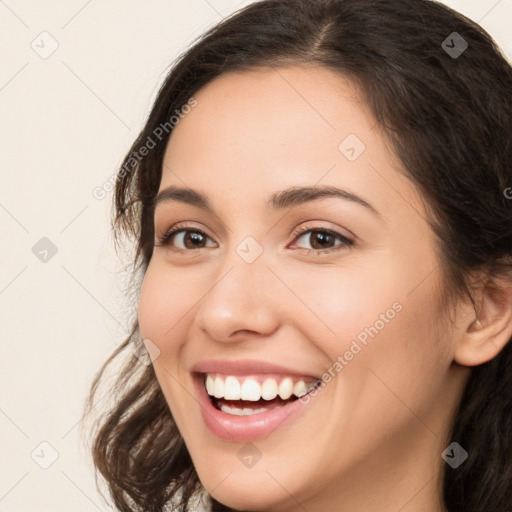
243, 428
248, 367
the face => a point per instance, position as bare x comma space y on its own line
262, 290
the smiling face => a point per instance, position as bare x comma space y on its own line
264, 289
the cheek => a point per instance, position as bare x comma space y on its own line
343, 304
164, 300
377, 329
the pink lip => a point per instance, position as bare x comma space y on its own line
242, 429
247, 367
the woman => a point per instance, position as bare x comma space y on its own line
324, 237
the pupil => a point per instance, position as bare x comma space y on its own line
320, 236
195, 237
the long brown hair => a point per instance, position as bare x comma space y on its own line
448, 117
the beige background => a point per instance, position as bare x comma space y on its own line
67, 119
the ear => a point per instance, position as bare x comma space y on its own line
487, 328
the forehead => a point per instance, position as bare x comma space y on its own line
281, 107
259, 131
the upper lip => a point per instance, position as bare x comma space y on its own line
246, 367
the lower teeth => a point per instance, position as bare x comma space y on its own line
245, 411
236, 411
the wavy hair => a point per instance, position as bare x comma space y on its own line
448, 119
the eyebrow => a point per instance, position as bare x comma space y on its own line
290, 197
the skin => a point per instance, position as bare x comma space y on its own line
372, 438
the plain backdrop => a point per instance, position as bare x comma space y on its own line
77, 79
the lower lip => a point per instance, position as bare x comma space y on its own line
244, 428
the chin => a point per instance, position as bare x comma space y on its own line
249, 497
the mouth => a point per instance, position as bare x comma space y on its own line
247, 396
242, 402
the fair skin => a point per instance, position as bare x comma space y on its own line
372, 438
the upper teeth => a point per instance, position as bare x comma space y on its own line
230, 388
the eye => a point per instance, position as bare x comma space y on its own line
187, 238
321, 240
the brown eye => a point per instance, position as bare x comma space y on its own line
183, 239
322, 240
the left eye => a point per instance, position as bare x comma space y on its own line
321, 239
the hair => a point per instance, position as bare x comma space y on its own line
449, 122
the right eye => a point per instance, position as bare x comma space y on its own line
190, 238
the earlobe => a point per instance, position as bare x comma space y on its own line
489, 328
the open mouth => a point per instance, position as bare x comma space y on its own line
247, 396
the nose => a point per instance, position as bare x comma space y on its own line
242, 300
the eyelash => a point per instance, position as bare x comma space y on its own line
346, 242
